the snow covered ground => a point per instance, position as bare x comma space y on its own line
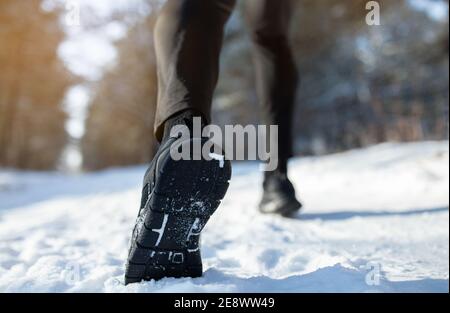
375, 220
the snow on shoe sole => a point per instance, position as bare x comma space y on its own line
165, 240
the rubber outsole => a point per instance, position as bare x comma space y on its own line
178, 199
289, 209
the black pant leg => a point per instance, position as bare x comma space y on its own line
188, 40
276, 71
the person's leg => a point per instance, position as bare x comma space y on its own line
276, 82
179, 197
188, 40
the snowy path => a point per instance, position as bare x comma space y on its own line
385, 206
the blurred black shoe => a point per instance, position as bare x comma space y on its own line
178, 198
279, 196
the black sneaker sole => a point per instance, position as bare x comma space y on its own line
184, 195
289, 209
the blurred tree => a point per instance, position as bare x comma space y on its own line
360, 84
119, 129
33, 82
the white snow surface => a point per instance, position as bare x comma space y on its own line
374, 220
